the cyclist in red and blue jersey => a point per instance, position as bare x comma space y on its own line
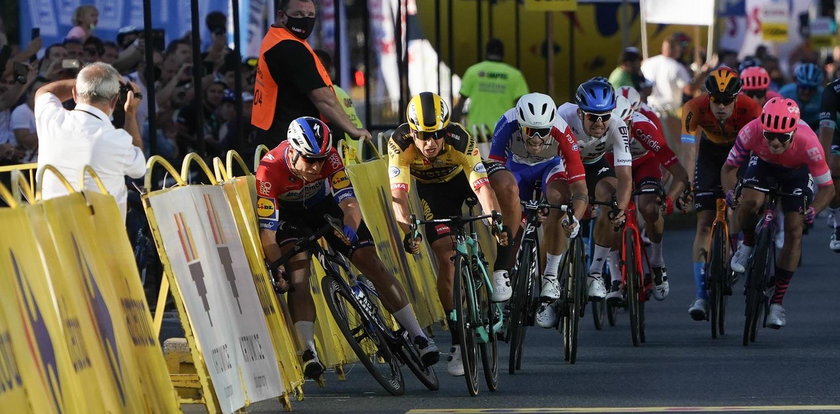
784, 151
298, 182
537, 145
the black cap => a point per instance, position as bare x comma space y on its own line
630, 54
495, 49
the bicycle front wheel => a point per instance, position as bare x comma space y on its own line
519, 305
363, 333
756, 283
716, 279
465, 321
577, 292
488, 318
632, 287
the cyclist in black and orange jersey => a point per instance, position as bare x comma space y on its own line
716, 118
445, 161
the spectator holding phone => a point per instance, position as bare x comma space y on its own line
69, 140
84, 21
23, 126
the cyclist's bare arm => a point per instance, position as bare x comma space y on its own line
680, 180
728, 177
625, 185
271, 250
826, 135
402, 208
824, 195
580, 198
352, 215
487, 199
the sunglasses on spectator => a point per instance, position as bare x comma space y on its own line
536, 132
722, 101
782, 137
426, 136
597, 117
756, 94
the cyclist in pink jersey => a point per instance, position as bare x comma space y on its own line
784, 151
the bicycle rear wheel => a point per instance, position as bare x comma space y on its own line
519, 305
756, 283
363, 334
716, 279
632, 287
465, 322
411, 357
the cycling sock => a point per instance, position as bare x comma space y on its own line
782, 282
656, 259
552, 264
749, 237
615, 267
306, 334
598, 256
408, 320
453, 330
700, 280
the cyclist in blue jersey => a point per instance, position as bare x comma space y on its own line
806, 90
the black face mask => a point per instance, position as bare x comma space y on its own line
301, 27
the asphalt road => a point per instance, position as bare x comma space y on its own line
680, 368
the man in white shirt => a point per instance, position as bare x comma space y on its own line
69, 140
671, 80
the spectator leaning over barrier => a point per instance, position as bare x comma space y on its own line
629, 70
492, 86
69, 140
291, 81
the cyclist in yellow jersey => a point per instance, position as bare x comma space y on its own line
445, 161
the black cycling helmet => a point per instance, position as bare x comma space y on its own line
723, 83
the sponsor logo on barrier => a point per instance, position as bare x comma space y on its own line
340, 180
104, 322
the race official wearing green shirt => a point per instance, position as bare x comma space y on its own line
492, 86
629, 70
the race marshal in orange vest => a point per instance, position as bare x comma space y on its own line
291, 81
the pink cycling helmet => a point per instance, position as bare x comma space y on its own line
755, 78
780, 115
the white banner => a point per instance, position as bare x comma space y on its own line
383, 16
207, 258
694, 12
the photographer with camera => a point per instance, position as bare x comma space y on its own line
69, 140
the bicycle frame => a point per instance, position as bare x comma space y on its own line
631, 226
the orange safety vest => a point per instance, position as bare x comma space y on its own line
265, 87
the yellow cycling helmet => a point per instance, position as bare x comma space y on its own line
427, 112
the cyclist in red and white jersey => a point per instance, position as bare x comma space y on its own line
649, 150
638, 105
784, 151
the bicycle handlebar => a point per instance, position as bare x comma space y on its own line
332, 224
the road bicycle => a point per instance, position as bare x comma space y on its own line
477, 319
759, 272
356, 310
718, 275
572, 303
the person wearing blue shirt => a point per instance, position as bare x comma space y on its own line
806, 90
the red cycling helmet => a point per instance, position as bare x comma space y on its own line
780, 115
755, 78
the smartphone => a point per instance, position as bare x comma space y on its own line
36, 32
70, 64
21, 70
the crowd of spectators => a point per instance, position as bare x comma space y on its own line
28, 66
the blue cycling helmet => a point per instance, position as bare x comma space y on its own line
595, 95
310, 137
808, 74
749, 62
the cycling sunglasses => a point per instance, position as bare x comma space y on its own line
313, 160
426, 136
782, 137
722, 101
536, 132
756, 94
597, 117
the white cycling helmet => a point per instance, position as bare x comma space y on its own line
535, 110
623, 108
632, 95
310, 136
